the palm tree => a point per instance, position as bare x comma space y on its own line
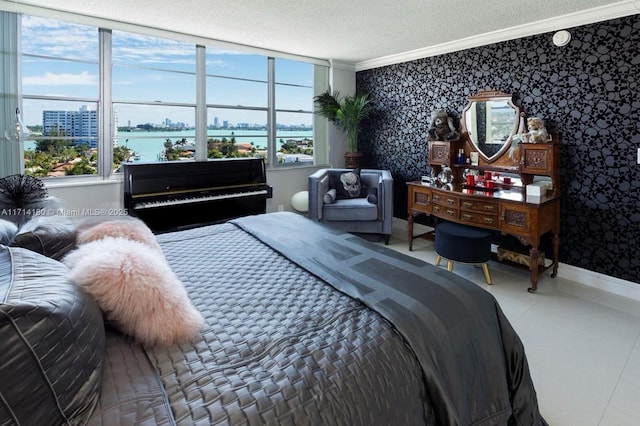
346, 113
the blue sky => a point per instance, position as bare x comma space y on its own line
151, 69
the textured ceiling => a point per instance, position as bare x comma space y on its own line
350, 31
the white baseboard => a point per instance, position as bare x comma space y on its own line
581, 276
600, 281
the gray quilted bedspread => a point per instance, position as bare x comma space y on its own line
290, 345
280, 347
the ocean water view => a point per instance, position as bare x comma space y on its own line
148, 146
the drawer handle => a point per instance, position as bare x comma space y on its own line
488, 220
489, 208
467, 216
467, 204
451, 201
451, 212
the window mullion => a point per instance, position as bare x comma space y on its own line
106, 115
201, 104
11, 154
271, 113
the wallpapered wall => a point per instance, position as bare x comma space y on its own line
589, 89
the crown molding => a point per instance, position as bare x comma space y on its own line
598, 14
342, 65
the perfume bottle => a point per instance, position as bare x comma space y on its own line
460, 156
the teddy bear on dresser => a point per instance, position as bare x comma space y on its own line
442, 127
537, 132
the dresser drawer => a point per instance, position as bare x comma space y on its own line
445, 212
480, 206
479, 219
445, 199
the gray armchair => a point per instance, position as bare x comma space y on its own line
372, 212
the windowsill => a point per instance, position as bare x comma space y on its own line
116, 179
300, 167
81, 181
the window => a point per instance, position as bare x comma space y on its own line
96, 97
60, 97
294, 111
153, 85
237, 104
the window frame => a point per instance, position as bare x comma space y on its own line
105, 103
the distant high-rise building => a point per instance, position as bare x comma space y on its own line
81, 123
215, 122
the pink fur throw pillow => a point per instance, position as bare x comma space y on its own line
130, 228
136, 289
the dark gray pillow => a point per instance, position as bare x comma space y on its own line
330, 196
51, 343
47, 235
372, 195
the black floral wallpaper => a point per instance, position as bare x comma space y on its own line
588, 89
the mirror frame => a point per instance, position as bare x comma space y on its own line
493, 95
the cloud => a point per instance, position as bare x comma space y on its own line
54, 38
64, 79
217, 63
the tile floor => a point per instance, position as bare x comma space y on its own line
583, 344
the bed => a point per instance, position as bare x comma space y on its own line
304, 325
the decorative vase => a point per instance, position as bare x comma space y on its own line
352, 160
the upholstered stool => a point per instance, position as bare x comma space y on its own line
465, 244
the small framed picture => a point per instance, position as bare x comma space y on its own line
474, 158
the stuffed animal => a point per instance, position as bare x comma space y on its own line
537, 132
442, 127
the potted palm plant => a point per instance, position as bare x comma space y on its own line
347, 114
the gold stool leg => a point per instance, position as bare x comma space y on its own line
449, 265
438, 258
485, 270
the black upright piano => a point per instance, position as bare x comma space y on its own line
174, 195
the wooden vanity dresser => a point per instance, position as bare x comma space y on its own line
505, 207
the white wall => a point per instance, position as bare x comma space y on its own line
78, 197
285, 183
343, 79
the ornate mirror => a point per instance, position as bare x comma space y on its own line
491, 120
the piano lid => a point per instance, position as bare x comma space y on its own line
169, 177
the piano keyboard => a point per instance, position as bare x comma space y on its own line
190, 200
